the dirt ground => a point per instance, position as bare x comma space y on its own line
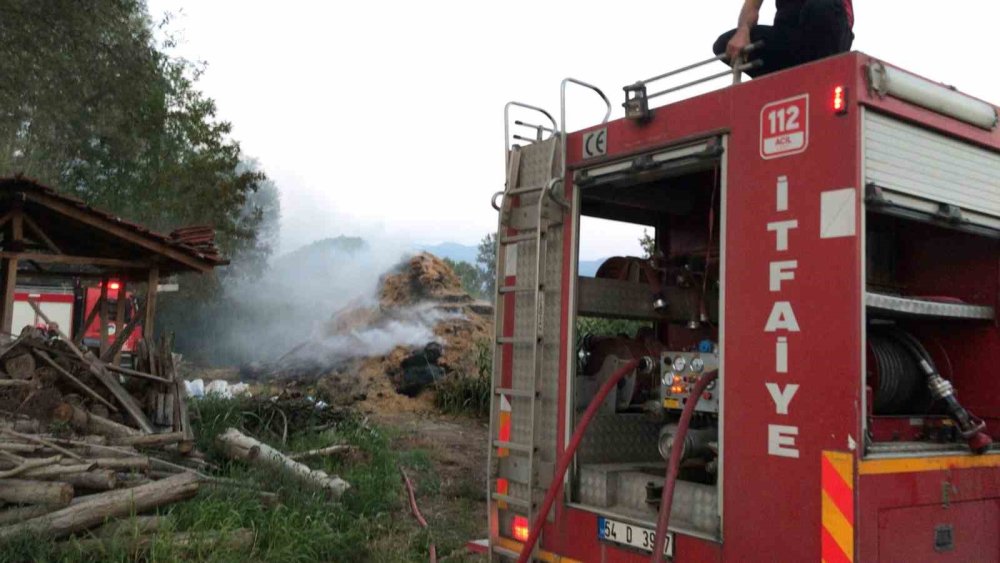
453, 501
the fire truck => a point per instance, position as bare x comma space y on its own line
75, 308
813, 371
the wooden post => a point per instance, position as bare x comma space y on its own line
8, 271
102, 316
154, 282
122, 303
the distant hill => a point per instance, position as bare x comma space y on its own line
467, 253
320, 250
327, 248
452, 251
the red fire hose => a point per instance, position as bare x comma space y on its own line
567, 456
673, 466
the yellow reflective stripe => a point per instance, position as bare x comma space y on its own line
838, 526
844, 464
919, 464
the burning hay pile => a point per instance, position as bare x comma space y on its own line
76, 434
421, 327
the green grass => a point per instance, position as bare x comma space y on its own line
468, 393
370, 523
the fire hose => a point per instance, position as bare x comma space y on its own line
567, 456
673, 466
972, 429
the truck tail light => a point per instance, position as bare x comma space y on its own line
840, 100
521, 528
114, 285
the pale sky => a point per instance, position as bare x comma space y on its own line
384, 119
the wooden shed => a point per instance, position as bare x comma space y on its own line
50, 235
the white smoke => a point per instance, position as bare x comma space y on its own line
293, 302
411, 327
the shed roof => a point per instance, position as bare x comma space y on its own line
61, 229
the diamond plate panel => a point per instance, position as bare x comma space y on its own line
620, 438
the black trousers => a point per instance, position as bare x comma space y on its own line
820, 28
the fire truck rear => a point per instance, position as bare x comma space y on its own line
812, 368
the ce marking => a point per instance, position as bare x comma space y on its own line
595, 143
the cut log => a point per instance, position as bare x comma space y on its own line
79, 384
22, 513
20, 448
123, 463
139, 374
28, 465
97, 508
21, 491
96, 480
44, 442
84, 421
240, 446
21, 366
57, 471
97, 368
22, 383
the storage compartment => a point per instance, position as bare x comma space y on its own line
663, 306
959, 532
931, 288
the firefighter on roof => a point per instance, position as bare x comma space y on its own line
803, 31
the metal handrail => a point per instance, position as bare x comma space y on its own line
562, 116
506, 122
637, 99
737, 68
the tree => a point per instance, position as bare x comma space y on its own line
93, 106
486, 263
648, 244
470, 276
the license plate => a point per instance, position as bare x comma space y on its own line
631, 535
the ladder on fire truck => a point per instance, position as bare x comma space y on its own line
530, 205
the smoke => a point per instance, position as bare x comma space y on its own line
262, 319
411, 327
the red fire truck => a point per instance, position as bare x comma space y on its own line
813, 373
73, 306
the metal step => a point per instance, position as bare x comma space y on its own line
513, 501
500, 444
524, 393
516, 341
520, 238
524, 190
504, 290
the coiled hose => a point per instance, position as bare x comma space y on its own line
674, 465
567, 456
971, 428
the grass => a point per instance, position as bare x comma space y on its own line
371, 522
459, 393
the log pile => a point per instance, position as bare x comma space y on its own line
83, 440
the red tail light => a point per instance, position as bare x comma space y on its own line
840, 100
521, 528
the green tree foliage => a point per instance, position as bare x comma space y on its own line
92, 105
486, 262
648, 244
472, 279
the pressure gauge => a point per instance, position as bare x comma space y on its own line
697, 365
679, 363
